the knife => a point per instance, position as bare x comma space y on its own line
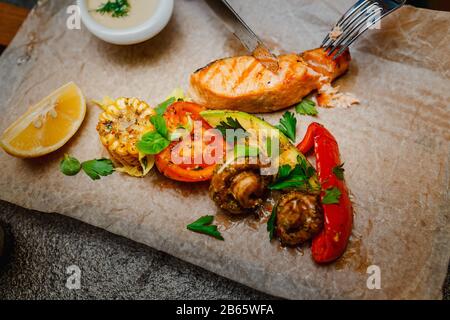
242, 31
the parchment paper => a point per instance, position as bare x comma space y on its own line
395, 144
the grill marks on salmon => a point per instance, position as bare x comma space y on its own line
243, 83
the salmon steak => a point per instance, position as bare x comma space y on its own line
245, 84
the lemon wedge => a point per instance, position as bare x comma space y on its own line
46, 126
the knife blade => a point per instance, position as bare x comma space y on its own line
236, 25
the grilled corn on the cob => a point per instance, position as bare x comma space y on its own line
120, 127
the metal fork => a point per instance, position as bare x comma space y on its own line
357, 20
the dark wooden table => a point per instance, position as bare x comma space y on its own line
14, 12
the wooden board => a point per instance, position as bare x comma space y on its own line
11, 18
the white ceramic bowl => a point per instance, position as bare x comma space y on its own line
133, 35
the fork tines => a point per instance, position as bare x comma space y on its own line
359, 18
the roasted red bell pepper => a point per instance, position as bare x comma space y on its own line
332, 241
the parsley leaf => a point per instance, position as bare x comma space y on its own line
230, 124
307, 107
69, 166
271, 223
297, 177
117, 8
291, 182
162, 107
98, 168
308, 170
331, 196
152, 143
288, 125
339, 171
284, 171
204, 225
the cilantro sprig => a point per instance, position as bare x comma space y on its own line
339, 171
95, 169
288, 125
98, 168
297, 177
204, 225
332, 196
117, 8
307, 107
229, 124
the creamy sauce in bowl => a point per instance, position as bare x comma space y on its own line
139, 12
135, 22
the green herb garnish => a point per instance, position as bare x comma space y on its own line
229, 124
156, 141
331, 196
160, 125
95, 169
152, 143
297, 177
307, 107
288, 125
117, 8
271, 223
204, 225
339, 171
70, 166
98, 168
162, 107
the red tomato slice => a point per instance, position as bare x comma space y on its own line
176, 115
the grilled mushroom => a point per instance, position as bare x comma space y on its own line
239, 188
299, 217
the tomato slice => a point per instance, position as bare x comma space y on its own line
188, 173
177, 114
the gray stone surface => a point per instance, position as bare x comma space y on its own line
112, 267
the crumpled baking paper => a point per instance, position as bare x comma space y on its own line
395, 144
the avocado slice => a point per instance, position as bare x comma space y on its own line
289, 154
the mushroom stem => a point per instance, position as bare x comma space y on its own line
246, 188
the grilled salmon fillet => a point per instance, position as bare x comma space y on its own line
243, 83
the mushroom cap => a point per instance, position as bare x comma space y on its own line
239, 187
299, 217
